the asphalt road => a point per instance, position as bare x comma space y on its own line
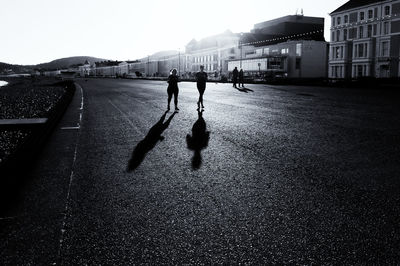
270, 174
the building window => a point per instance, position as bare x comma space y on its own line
353, 17
360, 50
359, 71
346, 19
375, 12
361, 15
386, 28
337, 52
370, 14
333, 36
338, 35
298, 49
387, 10
298, 63
344, 34
352, 33
338, 20
266, 51
333, 22
369, 31
285, 51
385, 49
375, 29
361, 32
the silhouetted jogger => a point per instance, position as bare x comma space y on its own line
173, 80
198, 140
235, 74
149, 142
201, 79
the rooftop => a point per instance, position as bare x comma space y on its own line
354, 4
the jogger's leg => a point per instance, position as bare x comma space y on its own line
169, 100
176, 99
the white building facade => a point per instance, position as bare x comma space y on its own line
292, 59
365, 40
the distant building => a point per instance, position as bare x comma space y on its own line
213, 52
292, 59
290, 46
365, 39
295, 26
105, 69
84, 70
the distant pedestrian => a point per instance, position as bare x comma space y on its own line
173, 80
235, 74
201, 79
241, 78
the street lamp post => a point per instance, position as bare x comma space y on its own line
241, 47
148, 65
179, 62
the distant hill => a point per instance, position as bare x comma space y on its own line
69, 61
53, 65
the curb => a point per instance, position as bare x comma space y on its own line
15, 163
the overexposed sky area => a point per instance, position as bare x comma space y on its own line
38, 31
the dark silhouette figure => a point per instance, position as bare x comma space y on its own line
201, 79
241, 78
149, 142
173, 80
198, 140
235, 74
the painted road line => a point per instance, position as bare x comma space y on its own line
23, 121
71, 178
125, 116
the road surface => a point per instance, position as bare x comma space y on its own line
267, 174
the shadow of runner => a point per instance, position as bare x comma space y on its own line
149, 142
246, 90
198, 140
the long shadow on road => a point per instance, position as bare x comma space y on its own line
246, 90
149, 142
198, 140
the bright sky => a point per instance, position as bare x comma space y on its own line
38, 31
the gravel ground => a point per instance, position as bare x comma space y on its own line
28, 99
25, 98
9, 141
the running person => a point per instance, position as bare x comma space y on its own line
201, 78
173, 80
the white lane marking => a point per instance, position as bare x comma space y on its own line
125, 116
9, 218
67, 128
71, 177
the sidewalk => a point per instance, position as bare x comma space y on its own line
32, 215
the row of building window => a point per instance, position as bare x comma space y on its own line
271, 51
206, 58
363, 32
360, 50
360, 16
358, 70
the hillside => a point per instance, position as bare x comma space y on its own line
55, 64
67, 62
